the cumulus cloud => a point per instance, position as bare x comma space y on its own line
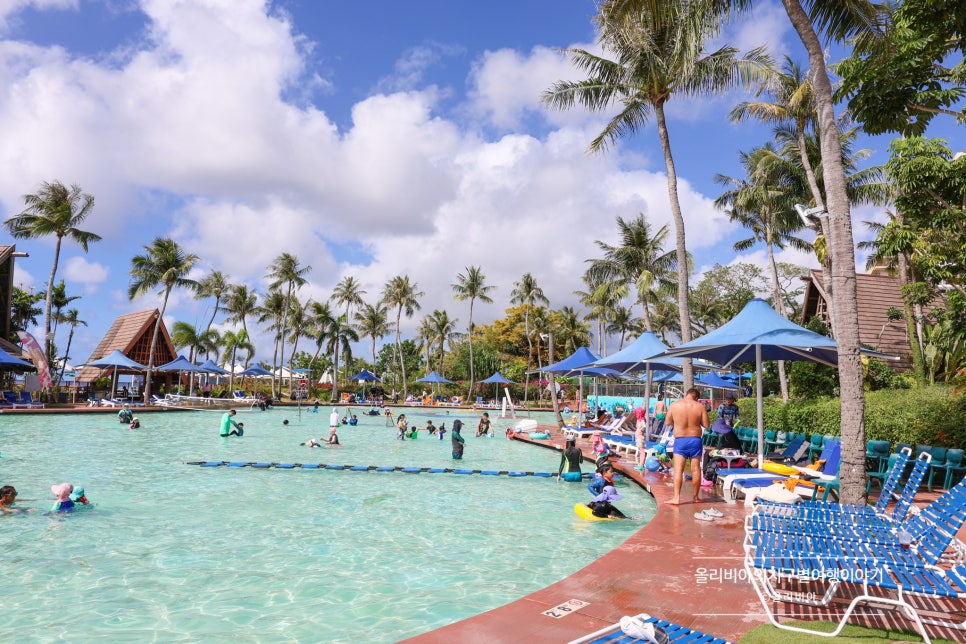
90, 274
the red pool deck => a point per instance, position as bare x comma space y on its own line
657, 571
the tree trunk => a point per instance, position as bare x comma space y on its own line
647, 315
526, 376
154, 346
845, 307
469, 392
49, 302
681, 250
63, 366
911, 319
779, 305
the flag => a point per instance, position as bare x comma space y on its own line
36, 353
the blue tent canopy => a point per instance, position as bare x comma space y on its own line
210, 366
638, 355
365, 375
182, 364
117, 360
582, 357
434, 377
713, 380
497, 378
7, 360
255, 370
756, 334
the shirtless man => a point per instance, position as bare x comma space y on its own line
688, 418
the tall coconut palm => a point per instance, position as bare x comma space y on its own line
570, 330
165, 264
639, 261
762, 201
622, 322
184, 335
472, 286
527, 292
72, 319
239, 304
320, 318
286, 271
657, 54
233, 343
404, 295
372, 320
341, 335
442, 329
272, 312
299, 325
348, 292
215, 285
59, 302
54, 210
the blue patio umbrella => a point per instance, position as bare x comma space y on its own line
497, 379
578, 363
181, 364
434, 377
642, 355
210, 366
366, 376
714, 381
8, 361
117, 360
756, 334
255, 371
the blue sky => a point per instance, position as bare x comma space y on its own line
369, 139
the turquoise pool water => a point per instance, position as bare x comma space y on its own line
174, 552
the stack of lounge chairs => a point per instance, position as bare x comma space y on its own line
815, 553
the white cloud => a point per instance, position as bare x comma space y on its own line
90, 274
9, 8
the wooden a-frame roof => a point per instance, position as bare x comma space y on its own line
876, 294
131, 335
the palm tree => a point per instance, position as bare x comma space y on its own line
472, 287
23, 310
163, 264
404, 295
298, 322
442, 329
340, 335
320, 319
54, 210
215, 285
527, 292
348, 292
272, 311
373, 322
600, 297
639, 261
233, 343
570, 330
239, 304
623, 322
763, 203
658, 54
59, 302
185, 336
72, 319
286, 271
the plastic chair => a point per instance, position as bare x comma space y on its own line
877, 454
952, 464
815, 445
771, 440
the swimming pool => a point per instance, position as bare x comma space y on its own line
180, 552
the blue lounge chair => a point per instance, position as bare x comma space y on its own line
675, 634
11, 399
28, 400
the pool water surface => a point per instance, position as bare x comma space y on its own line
178, 552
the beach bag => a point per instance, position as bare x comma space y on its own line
711, 470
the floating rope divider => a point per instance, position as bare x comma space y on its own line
264, 465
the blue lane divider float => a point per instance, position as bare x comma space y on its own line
372, 468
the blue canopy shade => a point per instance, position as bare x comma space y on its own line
497, 378
210, 367
365, 375
7, 360
434, 377
637, 356
116, 360
756, 334
255, 370
668, 376
713, 380
582, 357
181, 364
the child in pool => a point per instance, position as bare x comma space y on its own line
63, 503
135, 423
8, 494
442, 430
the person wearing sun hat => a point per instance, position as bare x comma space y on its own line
601, 506
63, 502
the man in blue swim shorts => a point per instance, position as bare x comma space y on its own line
688, 418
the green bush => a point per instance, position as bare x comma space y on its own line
925, 416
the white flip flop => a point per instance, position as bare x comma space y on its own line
704, 515
715, 512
